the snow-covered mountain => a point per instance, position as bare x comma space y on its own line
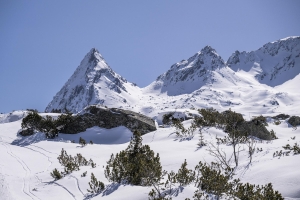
273, 64
93, 82
204, 80
246, 80
186, 76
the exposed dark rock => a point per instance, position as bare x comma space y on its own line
294, 121
108, 118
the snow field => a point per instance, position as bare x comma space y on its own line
26, 163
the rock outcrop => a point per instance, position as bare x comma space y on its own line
109, 118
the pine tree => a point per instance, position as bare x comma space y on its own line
56, 174
82, 141
32, 121
137, 164
48, 126
201, 142
184, 175
211, 179
171, 180
95, 185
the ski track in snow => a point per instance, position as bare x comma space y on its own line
26, 189
44, 149
71, 194
50, 162
77, 183
5, 187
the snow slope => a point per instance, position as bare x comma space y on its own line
26, 163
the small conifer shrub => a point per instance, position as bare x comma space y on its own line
84, 174
281, 117
95, 185
31, 121
82, 142
213, 183
260, 120
136, 165
201, 142
71, 163
56, 174
277, 122
184, 175
273, 135
167, 118
294, 121
170, 182
209, 178
295, 148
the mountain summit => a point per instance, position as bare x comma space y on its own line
189, 75
93, 82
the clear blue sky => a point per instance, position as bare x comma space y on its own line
42, 43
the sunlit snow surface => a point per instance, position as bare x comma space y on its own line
26, 162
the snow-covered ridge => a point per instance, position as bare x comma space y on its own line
273, 64
191, 74
247, 79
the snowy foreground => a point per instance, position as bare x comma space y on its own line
26, 162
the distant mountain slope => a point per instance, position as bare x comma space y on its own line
93, 82
273, 64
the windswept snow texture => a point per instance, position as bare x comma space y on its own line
26, 162
254, 83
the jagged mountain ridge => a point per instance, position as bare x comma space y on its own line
203, 80
189, 75
269, 61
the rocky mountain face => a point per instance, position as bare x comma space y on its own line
203, 80
272, 64
93, 82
